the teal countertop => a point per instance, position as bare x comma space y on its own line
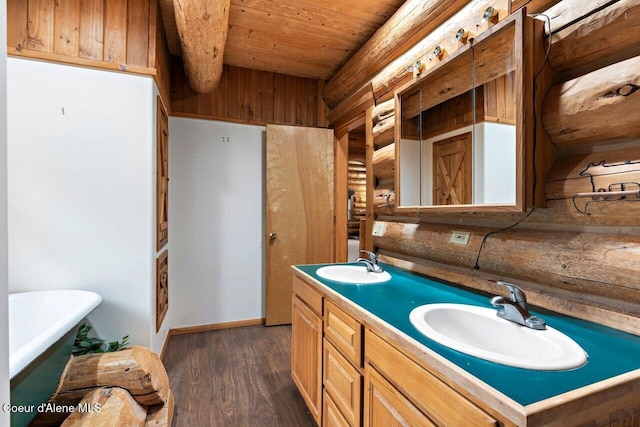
611, 352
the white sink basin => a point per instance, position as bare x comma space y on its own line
478, 331
352, 274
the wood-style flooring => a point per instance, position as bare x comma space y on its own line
234, 377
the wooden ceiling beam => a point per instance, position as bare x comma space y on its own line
413, 21
202, 26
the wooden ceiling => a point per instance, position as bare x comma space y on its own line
305, 38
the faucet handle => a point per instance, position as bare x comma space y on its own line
372, 256
515, 293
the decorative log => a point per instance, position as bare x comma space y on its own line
136, 369
384, 132
161, 415
602, 38
591, 263
384, 165
202, 26
469, 18
351, 107
604, 215
569, 11
106, 407
411, 23
383, 111
595, 107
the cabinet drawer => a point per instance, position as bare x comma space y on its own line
331, 415
436, 399
385, 406
344, 332
343, 383
306, 293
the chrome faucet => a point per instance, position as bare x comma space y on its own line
371, 262
515, 308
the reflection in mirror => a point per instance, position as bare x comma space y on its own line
458, 136
411, 155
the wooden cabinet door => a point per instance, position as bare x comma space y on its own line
300, 209
306, 356
384, 406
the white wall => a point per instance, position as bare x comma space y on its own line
81, 200
216, 211
4, 322
410, 173
494, 163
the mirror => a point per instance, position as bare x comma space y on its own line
461, 129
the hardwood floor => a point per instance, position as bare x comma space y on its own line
234, 377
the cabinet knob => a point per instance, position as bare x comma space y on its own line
272, 235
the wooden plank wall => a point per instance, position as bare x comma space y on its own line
162, 62
251, 96
582, 265
121, 35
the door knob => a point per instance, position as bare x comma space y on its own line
273, 235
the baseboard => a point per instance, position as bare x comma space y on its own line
215, 326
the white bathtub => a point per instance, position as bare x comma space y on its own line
38, 319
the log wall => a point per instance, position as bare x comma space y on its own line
120, 35
357, 181
251, 96
577, 255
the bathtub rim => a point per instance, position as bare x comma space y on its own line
20, 358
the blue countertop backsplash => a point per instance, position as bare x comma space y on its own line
611, 352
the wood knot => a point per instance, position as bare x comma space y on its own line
206, 16
627, 89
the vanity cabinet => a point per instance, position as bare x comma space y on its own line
352, 369
306, 349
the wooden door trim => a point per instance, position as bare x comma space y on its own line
341, 232
341, 189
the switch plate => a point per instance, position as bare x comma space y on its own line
379, 229
460, 237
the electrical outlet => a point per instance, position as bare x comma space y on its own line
460, 237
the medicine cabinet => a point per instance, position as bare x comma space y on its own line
464, 129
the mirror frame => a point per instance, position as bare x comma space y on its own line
522, 28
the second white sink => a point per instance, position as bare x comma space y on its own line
477, 331
352, 274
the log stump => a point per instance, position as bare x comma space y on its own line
136, 369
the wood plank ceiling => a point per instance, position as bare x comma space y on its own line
305, 38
